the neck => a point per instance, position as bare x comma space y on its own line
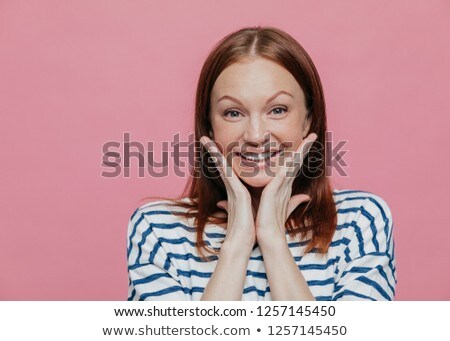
255, 193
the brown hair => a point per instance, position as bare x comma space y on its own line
205, 188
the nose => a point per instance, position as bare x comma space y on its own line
255, 132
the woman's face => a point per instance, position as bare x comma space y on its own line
256, 106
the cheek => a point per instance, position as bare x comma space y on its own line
290, 136
297, 142
226, 137
222, 140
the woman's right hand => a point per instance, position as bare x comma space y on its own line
241, 223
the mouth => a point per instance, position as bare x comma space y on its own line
252, 159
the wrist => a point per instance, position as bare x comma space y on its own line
272, 242
236, 250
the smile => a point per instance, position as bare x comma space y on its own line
255, 158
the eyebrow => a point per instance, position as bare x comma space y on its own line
268, 101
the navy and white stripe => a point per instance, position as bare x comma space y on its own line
163, 263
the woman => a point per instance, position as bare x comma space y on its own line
259, 202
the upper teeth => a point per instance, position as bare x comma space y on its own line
257, 156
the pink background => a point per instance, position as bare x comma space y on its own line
74, 75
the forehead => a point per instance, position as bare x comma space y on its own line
255, 76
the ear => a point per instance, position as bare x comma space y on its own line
211, 134
306, 125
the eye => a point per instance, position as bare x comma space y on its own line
279, 111
283, 110
226, 113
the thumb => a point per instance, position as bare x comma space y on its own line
223, 204
296, 200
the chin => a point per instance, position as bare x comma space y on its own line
254, 180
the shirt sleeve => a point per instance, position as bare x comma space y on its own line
152, 276
367, 268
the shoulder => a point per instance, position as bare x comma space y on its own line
167, 207
364, 220
357, 202
162, 215
162, 210
155, 229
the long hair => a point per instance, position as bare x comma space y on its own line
315, 219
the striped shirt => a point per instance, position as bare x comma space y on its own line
163, 263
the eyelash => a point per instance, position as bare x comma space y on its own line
228, 111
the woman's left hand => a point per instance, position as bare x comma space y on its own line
276, 203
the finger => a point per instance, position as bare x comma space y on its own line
282, 174
226, 172
295, 201
223, 204
290, 165
216, 156
295, 163
304, 148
